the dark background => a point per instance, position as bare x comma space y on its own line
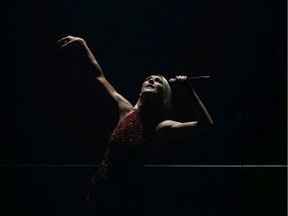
51, 114
54, 115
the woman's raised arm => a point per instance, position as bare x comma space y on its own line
105, 87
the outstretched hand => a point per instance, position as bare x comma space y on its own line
71, 41
80, 52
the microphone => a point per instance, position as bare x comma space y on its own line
196, 78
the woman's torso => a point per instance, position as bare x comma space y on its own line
121, 172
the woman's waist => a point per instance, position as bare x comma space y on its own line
121, 170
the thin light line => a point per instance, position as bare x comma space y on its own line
49, 165
192, 166
150, 166
216, 166
265, 165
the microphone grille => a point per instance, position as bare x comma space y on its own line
172, 80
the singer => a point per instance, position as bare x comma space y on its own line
116, 187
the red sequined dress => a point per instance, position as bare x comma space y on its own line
116, 187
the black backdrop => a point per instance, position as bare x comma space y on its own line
51, 114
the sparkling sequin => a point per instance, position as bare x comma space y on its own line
125, 149
117, 186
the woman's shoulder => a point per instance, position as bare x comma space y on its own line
125, 111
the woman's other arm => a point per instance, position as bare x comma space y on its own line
169, 129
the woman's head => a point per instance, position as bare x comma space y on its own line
156, 91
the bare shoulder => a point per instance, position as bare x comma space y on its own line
125, 107
123, 103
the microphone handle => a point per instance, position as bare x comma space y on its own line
198, 77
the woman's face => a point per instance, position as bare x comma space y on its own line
153, 84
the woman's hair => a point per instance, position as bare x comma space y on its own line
166, 105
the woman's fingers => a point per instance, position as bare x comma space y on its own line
181, 78
63, 42
67, 39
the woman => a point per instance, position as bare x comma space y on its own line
116, 187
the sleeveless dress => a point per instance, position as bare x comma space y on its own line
116, 188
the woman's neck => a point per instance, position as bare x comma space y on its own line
149, 113
147, 107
